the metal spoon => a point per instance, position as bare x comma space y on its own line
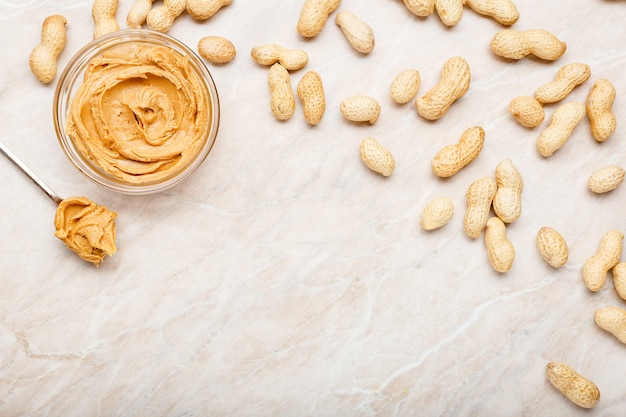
22, 167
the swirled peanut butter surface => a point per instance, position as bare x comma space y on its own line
86, 228
141, 113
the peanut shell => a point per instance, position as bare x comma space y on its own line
282, 100
311, 93
452, 158
358, 33
313, 16
421, 8
607, 256
514, 44
437, 213
450, 11
606, 179
619, 279
376, 157
502, 11
562, 123
405, 86
43, 58
507, 203
552, 247
499, 249
216, 49
527, 111
453, 84
360, 108
269, 54
479, 196
574, 386
600, 100
205, 9
613, 320
568, 77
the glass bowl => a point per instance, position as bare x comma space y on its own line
138, 125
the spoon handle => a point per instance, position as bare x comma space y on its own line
22, 167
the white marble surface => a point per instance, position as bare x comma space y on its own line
286, 279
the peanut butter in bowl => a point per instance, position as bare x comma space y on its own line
143, 116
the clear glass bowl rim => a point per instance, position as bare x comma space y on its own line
71, 77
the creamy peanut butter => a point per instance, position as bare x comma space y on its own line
86, 228
141, 113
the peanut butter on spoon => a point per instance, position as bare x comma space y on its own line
85, 227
